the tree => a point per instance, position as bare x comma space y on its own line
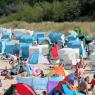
71, 9
57, 11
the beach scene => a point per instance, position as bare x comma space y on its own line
46, 63
47, 47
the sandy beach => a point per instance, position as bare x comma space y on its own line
7, 83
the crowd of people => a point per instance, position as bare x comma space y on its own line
82, 82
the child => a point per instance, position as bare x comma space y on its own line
82, 87
20, 61
44, 93
22, 72
42, 74
25, 62
93, 85
93, 82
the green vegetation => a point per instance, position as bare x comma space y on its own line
49, 15
88, 28
47, 10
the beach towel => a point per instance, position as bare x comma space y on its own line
54, 52
67, 82
54, 92
51, 85
40, 83
68, 91
28, 81
53, 82
56, 78
58, 70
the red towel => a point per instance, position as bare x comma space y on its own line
54, 52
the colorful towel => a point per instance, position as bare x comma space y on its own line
58, 70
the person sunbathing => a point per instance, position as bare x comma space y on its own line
81, 74
8, 77
42, 74
37, 72
4, 72
80, 63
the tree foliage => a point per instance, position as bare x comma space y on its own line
47, 10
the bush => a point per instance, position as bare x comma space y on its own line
47, 10
71, 9
58, 11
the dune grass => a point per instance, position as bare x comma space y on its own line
87, 28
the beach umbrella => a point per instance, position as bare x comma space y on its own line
21, 88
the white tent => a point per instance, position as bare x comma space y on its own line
42, 59
72, 32
37, 58
69, 55
23, 32
92, 46
19, 31
30, 32
43, 49
92, 58
9, 30
2, 29
63, 39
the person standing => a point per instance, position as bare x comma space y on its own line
49, 54
93, 85
20, 61
82, 87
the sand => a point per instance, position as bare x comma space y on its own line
7, 83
